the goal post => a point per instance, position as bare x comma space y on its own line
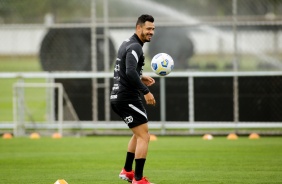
20, 109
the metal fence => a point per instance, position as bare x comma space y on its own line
188, 103
201, 36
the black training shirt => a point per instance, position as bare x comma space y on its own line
128, 71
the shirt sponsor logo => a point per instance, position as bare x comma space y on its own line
115, 87
117, 78
117, 68
113, 96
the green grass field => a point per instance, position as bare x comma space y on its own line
171, 160
20, 64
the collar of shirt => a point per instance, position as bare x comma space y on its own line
137, 38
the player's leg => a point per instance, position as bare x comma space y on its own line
132, 144
143, 138
127, 173
130, 154
134, 115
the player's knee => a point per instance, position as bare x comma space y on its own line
144, 136
147, 137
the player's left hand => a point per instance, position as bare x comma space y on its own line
150, 100
147, 80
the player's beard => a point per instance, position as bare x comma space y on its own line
144, 37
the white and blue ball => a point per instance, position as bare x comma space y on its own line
162, 64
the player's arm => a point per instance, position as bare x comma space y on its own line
150, 99
132, 57
147, 80
131, 65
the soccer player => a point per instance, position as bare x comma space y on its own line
129, 84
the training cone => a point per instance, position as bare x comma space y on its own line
34, 136
7, 136
254, 136
153, 137
61, 181
207, 137
56, 136
232, 136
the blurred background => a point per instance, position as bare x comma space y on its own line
227, 56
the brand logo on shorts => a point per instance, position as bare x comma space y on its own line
128, 119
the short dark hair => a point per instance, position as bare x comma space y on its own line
143, 18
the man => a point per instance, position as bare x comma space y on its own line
126, 98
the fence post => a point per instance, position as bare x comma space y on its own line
60, 108
163, 104
191, 102
235, 66
94, 61
107, 60
19, 110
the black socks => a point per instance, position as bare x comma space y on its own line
139, 166
129, 161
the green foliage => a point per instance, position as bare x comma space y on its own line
34, 11
179, 160
204, 8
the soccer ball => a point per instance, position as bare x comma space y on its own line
162, 64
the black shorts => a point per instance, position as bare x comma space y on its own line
133, 113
